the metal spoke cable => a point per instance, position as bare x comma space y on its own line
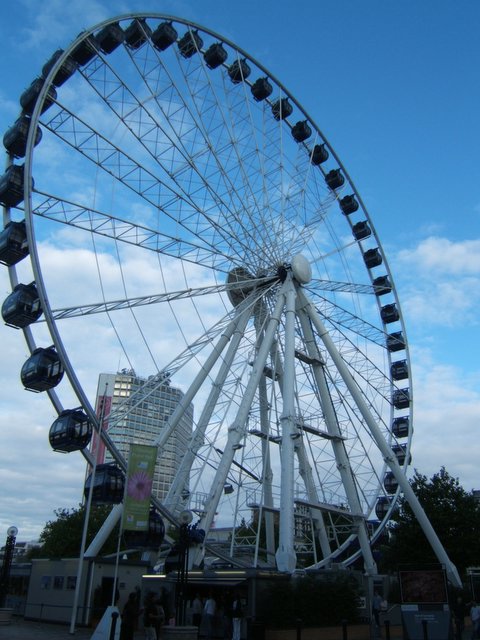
94, 146
77, 215
232, 189
147, 116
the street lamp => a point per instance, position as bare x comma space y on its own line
188, 536
7, 563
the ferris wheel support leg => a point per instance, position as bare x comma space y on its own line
237, 429
173, 499
197, 383
338, 446
383, 446
261, 315
267, 498
285, 556
104, 531
305, 469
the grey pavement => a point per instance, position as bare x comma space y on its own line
21, 629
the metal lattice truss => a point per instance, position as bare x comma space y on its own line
221, 247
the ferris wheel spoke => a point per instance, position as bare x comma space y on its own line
245, 211
116, 305
207, 119
119, 229
150, 130
240, 319
181, 479
237, 430
136, 177
225, 327
337, 316
346, 287
141, 123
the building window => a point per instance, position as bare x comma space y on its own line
71, 583
58, 582
45, 582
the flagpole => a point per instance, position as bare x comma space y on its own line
83, 544
120, 529
117, 560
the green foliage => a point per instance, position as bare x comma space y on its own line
316, 601
61, 538
454, 514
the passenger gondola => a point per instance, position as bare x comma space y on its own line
71, 431
382, 507
13, 243
108, 484
22, 306
152, 538
42, 371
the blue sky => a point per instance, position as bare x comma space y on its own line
394, 87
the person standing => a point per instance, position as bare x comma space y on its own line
377, 607
475, 618
197, 611
150, 617
130, 615
458, 610
209, 610
237, 615
160, 619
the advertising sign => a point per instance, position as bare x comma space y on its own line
138, 487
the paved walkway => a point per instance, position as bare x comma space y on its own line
21, 629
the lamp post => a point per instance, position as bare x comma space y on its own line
185, 519
7, 563
188, 535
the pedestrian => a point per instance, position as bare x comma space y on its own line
209, 611
130, 615
197, 608
237, 615
458, 611
160, 620
377, 603
150, 617
475, 618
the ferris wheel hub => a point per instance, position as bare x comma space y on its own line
301, 269
236, 276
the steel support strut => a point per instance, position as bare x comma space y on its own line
380, 441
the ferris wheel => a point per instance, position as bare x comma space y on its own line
186, 218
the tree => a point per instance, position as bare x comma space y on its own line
61, 538
454, 514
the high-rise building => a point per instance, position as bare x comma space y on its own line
135, 410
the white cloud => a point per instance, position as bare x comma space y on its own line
52, 20
440, 282
446, 417
440, 256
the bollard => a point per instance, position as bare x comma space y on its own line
299, 629
113, 626
344, 630
387, 629
425, 629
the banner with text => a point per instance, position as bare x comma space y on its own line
138, 487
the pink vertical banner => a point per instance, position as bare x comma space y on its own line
138, 487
